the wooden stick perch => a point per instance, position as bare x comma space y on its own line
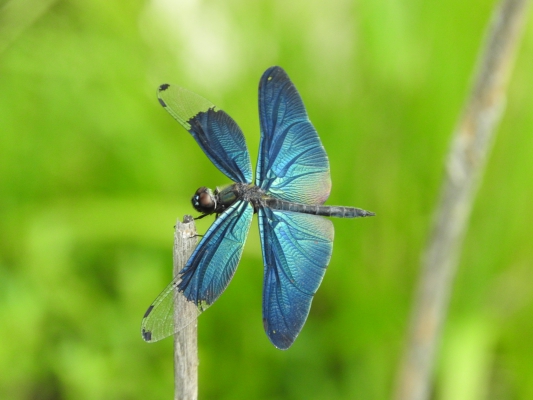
465, 165
185, 340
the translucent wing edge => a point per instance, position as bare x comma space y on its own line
159, 320
217, 134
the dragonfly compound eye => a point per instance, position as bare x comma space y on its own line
204, 201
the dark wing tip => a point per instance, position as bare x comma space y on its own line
274, 69
278, 339
147, 313
273, 73
147, 335
162, 88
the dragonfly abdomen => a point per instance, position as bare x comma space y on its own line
327, 211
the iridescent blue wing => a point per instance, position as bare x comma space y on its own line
205, 276
216, 132
296, 252
292, 163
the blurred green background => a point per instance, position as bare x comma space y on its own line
94, 173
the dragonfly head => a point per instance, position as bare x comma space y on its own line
204, 201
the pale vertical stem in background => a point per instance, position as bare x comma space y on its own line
465, 164
186, 340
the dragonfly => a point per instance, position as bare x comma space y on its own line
292, 182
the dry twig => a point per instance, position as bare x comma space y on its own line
186, 340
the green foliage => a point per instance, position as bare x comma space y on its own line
93, 174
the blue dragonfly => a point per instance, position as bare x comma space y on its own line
292, 182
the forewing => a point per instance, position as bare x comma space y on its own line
296, 251
216, 132
205, 276
292, 163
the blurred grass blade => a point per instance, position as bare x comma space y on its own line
18, 15
465, 165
